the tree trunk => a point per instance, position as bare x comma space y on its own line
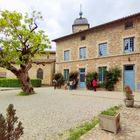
25, 82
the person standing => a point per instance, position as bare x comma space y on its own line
71, 85
94, 84
54, 83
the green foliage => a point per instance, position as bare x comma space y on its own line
22, 93
36, 82
11, 82
74, 76
59, 78
79, 131
10, 128
89, 79
112, 77
20, 40
101, 85
111, 111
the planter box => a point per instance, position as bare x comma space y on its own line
110, 123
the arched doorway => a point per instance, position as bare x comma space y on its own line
40, 74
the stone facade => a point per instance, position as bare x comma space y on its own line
44, 62
112, 33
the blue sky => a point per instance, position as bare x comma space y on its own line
59, 15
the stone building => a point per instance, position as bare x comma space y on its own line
116, 43
43, 67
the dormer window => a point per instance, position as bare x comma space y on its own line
83, 37
128, 25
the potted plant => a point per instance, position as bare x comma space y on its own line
110, 119
129, 97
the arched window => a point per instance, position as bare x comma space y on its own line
40, 73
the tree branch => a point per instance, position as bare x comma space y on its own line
34, 27
28, 66
9, 66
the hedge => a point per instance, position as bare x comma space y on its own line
11, 82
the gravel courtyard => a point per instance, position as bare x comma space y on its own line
53, 111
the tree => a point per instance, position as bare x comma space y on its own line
10, 127
20, 41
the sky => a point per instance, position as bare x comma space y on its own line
59, 15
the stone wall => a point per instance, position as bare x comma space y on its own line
114, 35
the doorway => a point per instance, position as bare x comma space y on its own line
82, 77
129, 76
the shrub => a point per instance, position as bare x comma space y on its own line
74, 76
59, 78
10, 128
101, 85
76, 133
128, 93
111, 111
112, 77
89, 78
12, 82
36, 82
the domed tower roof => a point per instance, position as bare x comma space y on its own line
80, 23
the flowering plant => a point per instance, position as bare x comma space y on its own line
128, 92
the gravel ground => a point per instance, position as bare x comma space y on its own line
53, 111
130, 127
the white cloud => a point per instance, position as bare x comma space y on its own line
17, 5
60, 14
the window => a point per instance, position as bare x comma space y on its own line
103, 49
66, 55
128, 25
66, 74
129, 44
83, 37
102, 73
40, 74
82, 53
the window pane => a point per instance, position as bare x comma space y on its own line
66, 74
82, 52
82, 77
102, 73
66, 55
103, 49
129, 45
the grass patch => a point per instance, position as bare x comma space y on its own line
111, 111
22, 93
77, 132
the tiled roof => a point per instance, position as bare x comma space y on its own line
99, 26
38, 61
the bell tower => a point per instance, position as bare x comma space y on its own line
80, 23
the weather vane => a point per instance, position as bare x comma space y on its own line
80, 13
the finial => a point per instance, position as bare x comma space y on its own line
80, 13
